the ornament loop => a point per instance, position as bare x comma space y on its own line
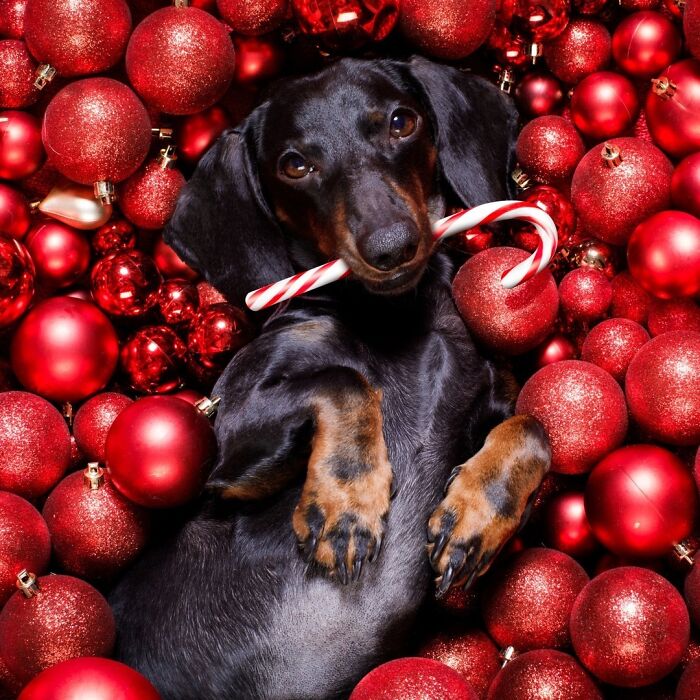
94, 476
27, 583
44, 75
664, 87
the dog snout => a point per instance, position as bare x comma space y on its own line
390, 246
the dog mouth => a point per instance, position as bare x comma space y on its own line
393, 282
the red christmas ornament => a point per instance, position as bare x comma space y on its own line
541, 20
629, 627
604, 104
581, 49
510, 49
517, 319
257, 58
209, 295
16, 280
629, 300
585, 294
451, 29
529, 603
94, 419
65, 349
691, 26
644, 43
178, 302
35, 446
691, 586
180, 59
566, 525
61, 254
190, 395
21, 152
612, 344
673, 315
89, 677
554, 349
617, 186
153, 360
413, 678
685, 185
539, 94
689, 684
257, 17
197, 132
663, 388
170, 264
217, 333
114, 237
14, 212
12, 18
159, 450
639, 4
17, 89
542, 674
24, 542
64, 618
75, 205
582, 409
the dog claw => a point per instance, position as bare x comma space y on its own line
356, 570
470, 581
438, 547
343, 573
376, 550
445, 581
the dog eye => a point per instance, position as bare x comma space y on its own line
403, 123
295, 166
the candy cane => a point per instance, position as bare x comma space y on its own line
456, 223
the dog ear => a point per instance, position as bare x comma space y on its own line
222, 225
474, 126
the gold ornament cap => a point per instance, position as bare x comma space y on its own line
521, 178
167, 158
162, 133
612, 155
27, 583
208, 407
534, 51
44, 75
507, 655
664, 87
104, 191
684, 552
506, 80
93, 476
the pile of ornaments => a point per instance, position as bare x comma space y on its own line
109, 343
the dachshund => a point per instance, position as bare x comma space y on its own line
360, 414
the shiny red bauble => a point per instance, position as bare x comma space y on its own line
169, 262
21, 151
197, 132
613, 344
218, 331
12, 18
413, 678
178, 302
113, 237
582, 409
585, 294
14, 212
539, 94
93, 420
644, 43
529, 602
180, 59
688, 687
159, 450
604, 104
546, 673
254, 17
16, 280
509, 320
611, 201
581, 49
667, 315
629, 300
629, 627
566, 525
685, 185
541, 20
96, 130
65, 349
640, 501
555, 349
663, 388
664, 254
25, 542
65, 619
257, 58
691, 26
61, 254
89, 677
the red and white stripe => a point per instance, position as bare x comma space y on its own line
461, 221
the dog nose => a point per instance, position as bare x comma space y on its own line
388, 247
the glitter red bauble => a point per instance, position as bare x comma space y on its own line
541, 20
66, 619
65, 349
21, 152
604, 104
543, 674
691, 26
35, 447
585, 294
413, 678
126, 283
581, 49
691, 588
12, 18
629, 627
16, 280
253, 17
180, 60
159, 450
629, 300
14, 212
613, 344
689, 683
61, 254
582, 409
25, 542
611, 201
509, 320
96, 130
566, 526
178, 302
257, 58
644, 43
451, 29
17, 88
89, 677
667, 315
197, 132
169, 262
539, 94
217, 333
663, 388
685, 185
640, 501
114, 236
93, 420
664, 254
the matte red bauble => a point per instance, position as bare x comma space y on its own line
65, 349
566, 525
115, 236
89, 677
180, 59
12, 18
617, 186
159, 450
664, 254
217, 333
640, 501
663, 387
689, 683
21, 152
73, 204
539, 94
509, 320
17, 89
529, 601
35, 447
613, 344
257, 58
582, 409
196, 133
581, 49
554, 349
542, 674
413, 678
61, 254
93, 420
691, 587
685, 185
629, 627
25, 542
16, 280
541, 20
644, 43
451, 29
169, 262
691, 26
64, 619
14, 212
629, 300
603, 105
178, 302
256, 17
585, 294
667, 315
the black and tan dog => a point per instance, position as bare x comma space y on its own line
299, 571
